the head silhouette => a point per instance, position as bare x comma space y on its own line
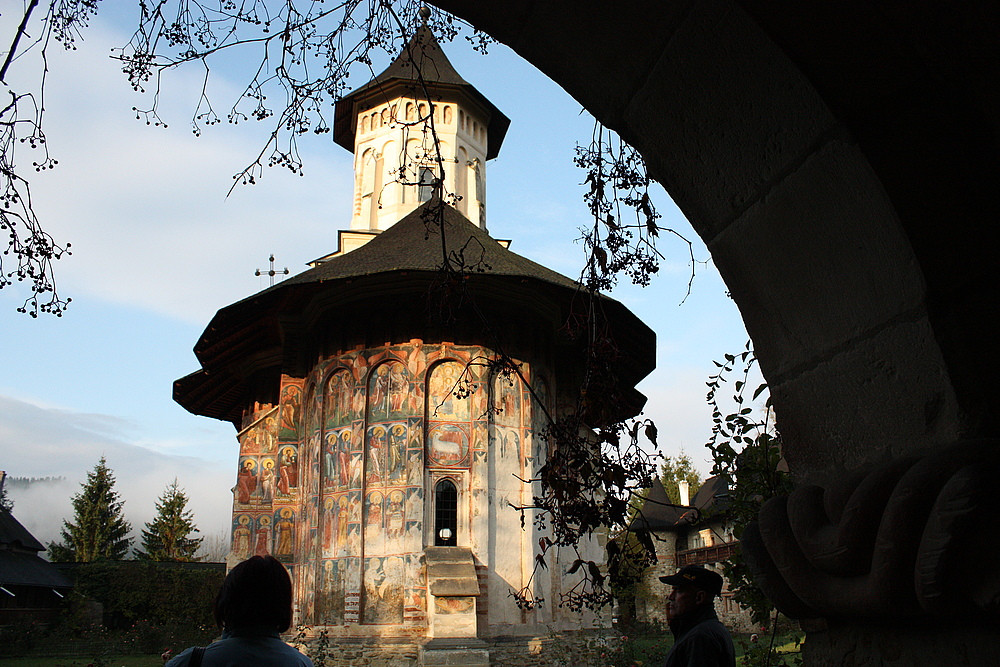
257, 594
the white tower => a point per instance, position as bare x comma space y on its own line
416, 126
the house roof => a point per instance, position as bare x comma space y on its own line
658, 512
424, 69
713, 496
15, 536
19, 562
19, 568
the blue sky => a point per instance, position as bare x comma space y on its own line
158, 248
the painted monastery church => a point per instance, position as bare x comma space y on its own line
383, 440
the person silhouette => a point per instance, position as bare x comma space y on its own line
700, 640
253, 607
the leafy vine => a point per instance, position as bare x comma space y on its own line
746, 450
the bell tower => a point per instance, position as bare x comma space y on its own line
416, 130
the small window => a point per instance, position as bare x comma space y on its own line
445, 514
426, 183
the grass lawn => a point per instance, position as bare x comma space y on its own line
123, 661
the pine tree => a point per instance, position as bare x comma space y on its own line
99, 530
6, 504
167, 537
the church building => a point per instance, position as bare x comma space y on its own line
390, 402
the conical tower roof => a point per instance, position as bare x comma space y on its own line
421, 70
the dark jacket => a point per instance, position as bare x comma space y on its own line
701, 641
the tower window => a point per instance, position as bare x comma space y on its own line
426, 183
445, 514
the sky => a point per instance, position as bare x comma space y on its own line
158, 247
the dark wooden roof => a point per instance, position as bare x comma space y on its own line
712, 496
415, 244
421, 58
659, 513
15, 536
20, 564
421, 63
249, 342
19, 568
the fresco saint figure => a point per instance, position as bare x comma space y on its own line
284, 531
267, 480
344, 458
262, 542
288, 474
241, 537
397, 388
246, 482
376, 455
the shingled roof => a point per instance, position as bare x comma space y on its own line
415, 244
15, 536
713, 495
658, 512
20, 564
421, 63
398, 266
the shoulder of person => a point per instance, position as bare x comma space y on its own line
181, 659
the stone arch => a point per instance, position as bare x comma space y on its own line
771, 178
820, 157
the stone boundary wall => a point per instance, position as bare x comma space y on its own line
574, 648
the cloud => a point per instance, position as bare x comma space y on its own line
40, 442
146, 208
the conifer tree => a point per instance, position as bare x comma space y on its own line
168, 536
99, 530
6, 504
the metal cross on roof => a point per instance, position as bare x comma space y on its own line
271, 272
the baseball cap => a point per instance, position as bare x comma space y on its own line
697, 576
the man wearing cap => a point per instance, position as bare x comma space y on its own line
700, 640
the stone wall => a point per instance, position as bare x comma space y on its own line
651, 596
577, 649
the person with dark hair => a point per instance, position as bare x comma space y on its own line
253, 607
700, 640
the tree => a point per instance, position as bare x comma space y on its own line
215, 546
168, 536
99, 530
6, 504
679, 469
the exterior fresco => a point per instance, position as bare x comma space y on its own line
336, 482
265, 496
